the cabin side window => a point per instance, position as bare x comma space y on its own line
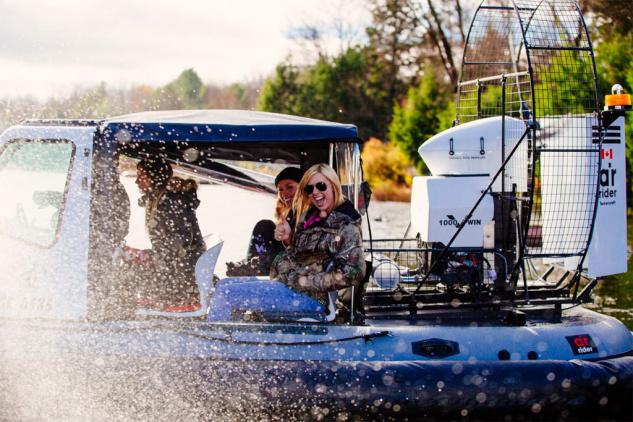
33, 181
345, 158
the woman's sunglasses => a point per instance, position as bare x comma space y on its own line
321, 186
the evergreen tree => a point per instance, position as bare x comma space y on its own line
340, 89
185, 92
422, 115
279, 93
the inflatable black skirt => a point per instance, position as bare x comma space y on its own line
188, 388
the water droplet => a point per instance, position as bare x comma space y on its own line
123, 136
190, 155
481, 397
457, 368
387, 379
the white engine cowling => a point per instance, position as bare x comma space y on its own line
475, 149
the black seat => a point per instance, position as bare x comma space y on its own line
352, 298
359, 291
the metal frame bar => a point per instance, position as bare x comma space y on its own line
596, 82
493, 78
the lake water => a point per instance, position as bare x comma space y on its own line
614, 295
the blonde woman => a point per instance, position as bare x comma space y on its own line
325, 254
286, 182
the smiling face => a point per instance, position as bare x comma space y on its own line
286, 189
322, 200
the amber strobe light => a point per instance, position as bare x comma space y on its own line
618, 100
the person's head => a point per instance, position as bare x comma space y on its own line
286, 182
319, 187
152, 174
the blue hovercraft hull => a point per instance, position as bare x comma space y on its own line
167, 370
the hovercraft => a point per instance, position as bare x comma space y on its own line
475, 313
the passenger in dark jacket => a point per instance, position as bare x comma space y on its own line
263, 248
170, 221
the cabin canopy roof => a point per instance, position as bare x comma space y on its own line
224, 126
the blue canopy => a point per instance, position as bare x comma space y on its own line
223, 126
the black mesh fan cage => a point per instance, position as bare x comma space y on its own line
532, 62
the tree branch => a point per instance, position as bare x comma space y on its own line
443, 41
460, 20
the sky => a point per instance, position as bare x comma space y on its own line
48, 48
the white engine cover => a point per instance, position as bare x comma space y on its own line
475, 149
439, 204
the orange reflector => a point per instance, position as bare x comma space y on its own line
617, 100
183, 308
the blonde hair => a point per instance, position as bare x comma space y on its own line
302, 202
281, 208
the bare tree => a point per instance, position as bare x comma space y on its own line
409, 33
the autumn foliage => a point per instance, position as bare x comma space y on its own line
388, 171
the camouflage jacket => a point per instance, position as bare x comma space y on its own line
172, 226
324, 257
